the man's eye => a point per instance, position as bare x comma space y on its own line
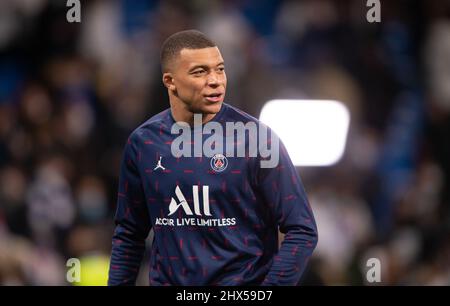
198, 72
221, 69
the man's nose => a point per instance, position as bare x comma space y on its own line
213, 79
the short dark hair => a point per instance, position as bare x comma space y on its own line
189, 39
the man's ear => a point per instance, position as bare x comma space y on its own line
167, 79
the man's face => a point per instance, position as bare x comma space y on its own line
199, 79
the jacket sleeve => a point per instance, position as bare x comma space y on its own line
283, 190
132, 222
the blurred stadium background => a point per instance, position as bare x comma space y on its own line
70, 93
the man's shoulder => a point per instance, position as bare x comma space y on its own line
153, 123
236, 114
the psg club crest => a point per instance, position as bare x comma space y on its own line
219, 162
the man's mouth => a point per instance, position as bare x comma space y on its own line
215, 97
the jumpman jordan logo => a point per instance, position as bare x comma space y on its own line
159, 165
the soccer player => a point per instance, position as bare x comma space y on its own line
215, 219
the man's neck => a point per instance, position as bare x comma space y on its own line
181, 114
